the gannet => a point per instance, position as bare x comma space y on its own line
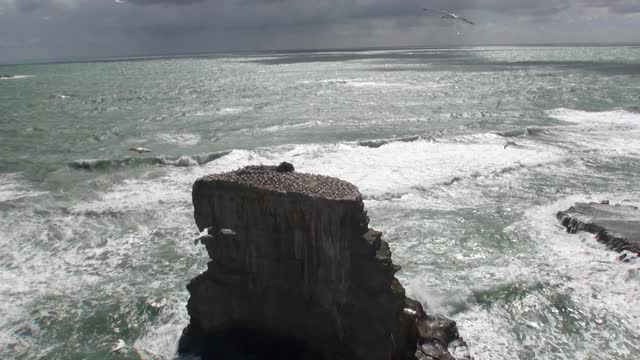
140, 150
450, 16
119, 346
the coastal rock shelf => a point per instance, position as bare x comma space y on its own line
296, 273
617, 226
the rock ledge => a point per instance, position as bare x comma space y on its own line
617, 226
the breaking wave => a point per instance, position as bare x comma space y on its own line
15, 77
127, 162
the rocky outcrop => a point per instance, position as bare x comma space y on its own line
296, 273
617, 226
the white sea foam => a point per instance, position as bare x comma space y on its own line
612, 133
616, 119
90, 250
15, 77
231, 110
182, 140
12, 188
282, 127
143, 193
399, 166
371, 83
160, 341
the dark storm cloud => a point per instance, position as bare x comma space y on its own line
273, 13
341, 8
173, 30
102, 27
358, 9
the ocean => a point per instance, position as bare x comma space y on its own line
463, 157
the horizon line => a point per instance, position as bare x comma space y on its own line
141, 57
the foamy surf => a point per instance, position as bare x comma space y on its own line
611, 133
16, 77
68, 252
399, 166
616, 119
371, 84
131, 162
12, 187
231, 110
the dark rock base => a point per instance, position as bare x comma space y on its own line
246, 344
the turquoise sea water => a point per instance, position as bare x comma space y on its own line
96, 241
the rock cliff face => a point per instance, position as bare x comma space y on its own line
297, 273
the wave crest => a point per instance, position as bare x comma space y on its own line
128, 162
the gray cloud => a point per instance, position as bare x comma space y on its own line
30, 5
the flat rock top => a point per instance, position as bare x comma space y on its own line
619, 220
269, 178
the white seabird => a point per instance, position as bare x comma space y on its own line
450, 16
119, 346
140, 150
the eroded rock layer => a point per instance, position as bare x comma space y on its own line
297, 273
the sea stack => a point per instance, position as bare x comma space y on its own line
296, 273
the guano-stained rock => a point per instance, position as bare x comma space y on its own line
296, 273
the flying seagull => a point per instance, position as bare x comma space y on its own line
140, 150
119, 346
450, 16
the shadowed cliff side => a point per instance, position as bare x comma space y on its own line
296, 273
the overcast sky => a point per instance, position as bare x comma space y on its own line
66, 29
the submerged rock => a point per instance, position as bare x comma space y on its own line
296, 273
617, 226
